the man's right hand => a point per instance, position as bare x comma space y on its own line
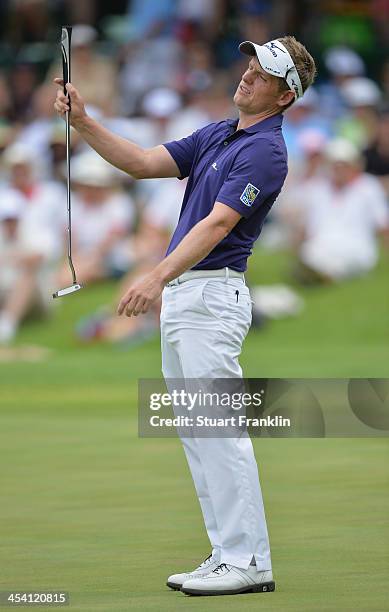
61, 104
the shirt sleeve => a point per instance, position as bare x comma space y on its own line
257, 174
183, 152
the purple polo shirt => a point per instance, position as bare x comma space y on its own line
244, 169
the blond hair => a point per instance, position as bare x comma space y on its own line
303, 60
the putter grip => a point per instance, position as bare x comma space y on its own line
66, 37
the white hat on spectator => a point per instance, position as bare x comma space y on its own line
342, 150
11, 205
83, 35
90, 169
161, 102
361, 91
19, 153
343, 61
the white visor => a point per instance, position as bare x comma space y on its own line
276, 60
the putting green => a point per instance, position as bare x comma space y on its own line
90, 508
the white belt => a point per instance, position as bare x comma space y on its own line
225, 273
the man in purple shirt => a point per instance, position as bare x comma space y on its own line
235, 171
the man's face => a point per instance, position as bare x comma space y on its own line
257, 91
10, 227
21, 175
343, 172
92, 195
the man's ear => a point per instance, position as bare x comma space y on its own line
286, 98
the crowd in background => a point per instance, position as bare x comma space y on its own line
156, 71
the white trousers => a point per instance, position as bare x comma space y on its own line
203, 325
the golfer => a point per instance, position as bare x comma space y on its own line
235, 170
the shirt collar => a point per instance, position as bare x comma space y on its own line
262, 126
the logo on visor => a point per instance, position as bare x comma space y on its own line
271, 69
294, 85
271, 46
249, 194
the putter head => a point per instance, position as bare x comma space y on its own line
67, 290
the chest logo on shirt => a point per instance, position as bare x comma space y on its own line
214, 166
249, 194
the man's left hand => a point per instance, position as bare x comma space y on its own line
141, 295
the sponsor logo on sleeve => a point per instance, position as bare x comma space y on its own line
249, 194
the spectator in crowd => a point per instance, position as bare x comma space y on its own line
201, 18
30, 241
312, 143
28, 21
216, 100
254, 19
57, 151
158, 220
198, 70
342, 215
159, 105
171, 76
95, 73
149, 19
102, 217
22, 83
362, 96
377, 154
37, 132
284, 227
43, 199
154, 54
342, 64
304, 114
14, 267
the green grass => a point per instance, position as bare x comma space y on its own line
90, 508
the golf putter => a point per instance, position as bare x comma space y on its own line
65, 49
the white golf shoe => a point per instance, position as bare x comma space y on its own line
229, 580
175, 581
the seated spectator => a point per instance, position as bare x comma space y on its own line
284, 222
11, 265
159, 218
342, 64
360, 124
43, 199
158, 105
29, 243
342, 215
22, 81
102, 217
305, 114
